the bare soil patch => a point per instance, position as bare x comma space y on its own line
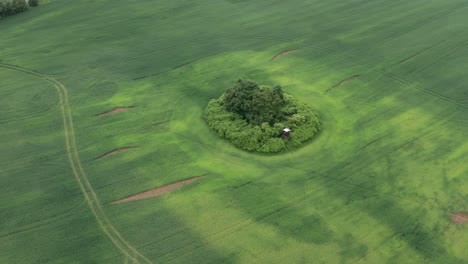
158, 191
115, 110
115, 151
459, 218
343, 82
286, 52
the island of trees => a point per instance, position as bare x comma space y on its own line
254, 118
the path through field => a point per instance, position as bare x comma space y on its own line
88, 192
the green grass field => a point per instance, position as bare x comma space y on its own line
377, 185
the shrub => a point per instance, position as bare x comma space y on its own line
13, 7
252, 118
33, 2
20, 6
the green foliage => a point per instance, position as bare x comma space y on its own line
278, 91
33, 2
253, 117
237, 98
9, 8
254, 103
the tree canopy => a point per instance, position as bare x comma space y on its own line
254, 103
252, 117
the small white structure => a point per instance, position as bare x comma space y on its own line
286, 131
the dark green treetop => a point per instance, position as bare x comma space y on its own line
255, 104
254, 117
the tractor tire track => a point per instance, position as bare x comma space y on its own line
88, 192
422, 51
443, 57
51, 220
408, 83
363, 64
422, 23
374, 68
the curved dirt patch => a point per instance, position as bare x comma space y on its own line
459, 218
115, 151
344, 81
115, 111
158, 191
286, 52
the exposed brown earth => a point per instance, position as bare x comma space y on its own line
286, 52
115, 111
343, 82
115, 151
459, 218
158, 191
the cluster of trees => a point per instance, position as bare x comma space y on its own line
254, 103
13, 7
253, 117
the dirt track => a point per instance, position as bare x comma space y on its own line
286, 52
88, 192
115, 111
344, 82
115, 151
459, 218
158, 191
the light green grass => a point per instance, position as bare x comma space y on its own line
377, 185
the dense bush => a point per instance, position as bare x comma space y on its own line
253, 117
13, 7
33, 2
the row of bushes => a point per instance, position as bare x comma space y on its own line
13, 7
264, 137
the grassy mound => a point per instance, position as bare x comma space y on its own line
253, 118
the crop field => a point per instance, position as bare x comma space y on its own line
105, 156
